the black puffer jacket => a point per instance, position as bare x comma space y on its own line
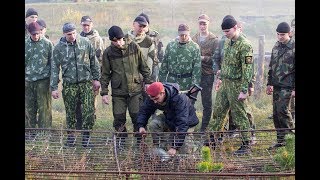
179, 112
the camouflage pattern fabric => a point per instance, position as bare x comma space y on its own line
164, 141
181, 60
147, 48
38, 57
226, 99
71, 93
96, 41
236, 73
78, 62
207, 48
282, 117
38, 108
282, 65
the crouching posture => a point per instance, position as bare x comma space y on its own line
178, 115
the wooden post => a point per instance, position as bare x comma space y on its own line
260, 67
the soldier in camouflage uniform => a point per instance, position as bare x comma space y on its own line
38, 56
96, 40
281, 82
236, 73
208, 42
122, 64
217, 59
182, 61
80, 69
31, 16
158, 51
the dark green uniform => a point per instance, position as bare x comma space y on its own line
236, 73
38, 56
123, 68
281, 76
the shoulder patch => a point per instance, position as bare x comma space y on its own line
248, 60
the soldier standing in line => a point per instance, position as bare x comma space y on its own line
97, 43
217, 59
76, 58
182, 61
207, 42
236, 73
158, 51
122, 64
38, 56
281, 82
31, 16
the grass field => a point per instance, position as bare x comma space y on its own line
260, 17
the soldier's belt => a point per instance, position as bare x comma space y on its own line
186, 75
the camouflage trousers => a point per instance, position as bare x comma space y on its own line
120, 104
83, 92
165, 140
79, 111
282, 117
38, 107
226, 99
206, 97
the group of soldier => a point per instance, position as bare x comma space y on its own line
145, 78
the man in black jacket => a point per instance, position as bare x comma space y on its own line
178, 114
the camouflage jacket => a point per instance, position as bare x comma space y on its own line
282, 65
237, 61
181, 64
218, 58
96, 41
123, 67
78, 62
159, 51
38, 56
147, 48
207, 48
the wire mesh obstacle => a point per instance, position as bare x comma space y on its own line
111, 157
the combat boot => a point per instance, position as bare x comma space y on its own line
244, 149
71, 139
86, 140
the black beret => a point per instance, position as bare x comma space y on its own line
145, 16
31, 11
227, 16
141, 20
115, 32
228, 23
283, 28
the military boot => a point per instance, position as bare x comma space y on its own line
244, 149
71, 139
86, 140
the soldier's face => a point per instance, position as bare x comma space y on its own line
203, 26
159, 98
283, 37
86, 26
184, 37
32, 18
71, 36
138, 28
35, 37
118, 42
230, 33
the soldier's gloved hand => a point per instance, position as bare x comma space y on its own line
55, 94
